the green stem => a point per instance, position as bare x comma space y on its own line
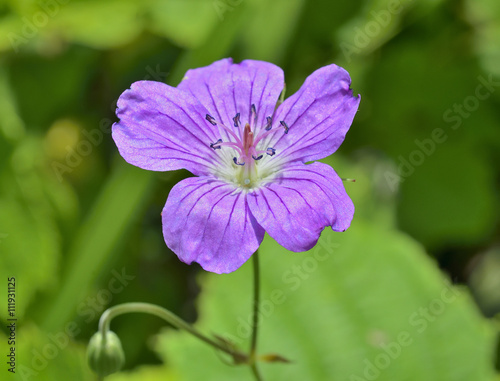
166, 315
255, 372
255, 320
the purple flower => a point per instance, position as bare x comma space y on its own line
222, 124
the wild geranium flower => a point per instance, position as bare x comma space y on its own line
223, 124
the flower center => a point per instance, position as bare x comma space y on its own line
246, 169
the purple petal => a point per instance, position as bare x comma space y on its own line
226, 89
162, 128
295, 207
318, 115
209, 222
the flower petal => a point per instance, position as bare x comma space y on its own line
318, 116
162, 128
295, 207
226, 89
208, 221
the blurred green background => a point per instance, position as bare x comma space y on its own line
80, 229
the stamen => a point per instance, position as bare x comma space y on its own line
282, 122
270, 130
216, 145
236, 120
211, 119
245, 146
270, 151
236, 161
269, 123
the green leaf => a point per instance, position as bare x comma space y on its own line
30, 245
484, 16
99, 24
444, 159
263, 45
46, 356
186, 22
113, 212
448, 199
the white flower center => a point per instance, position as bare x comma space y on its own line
246, 161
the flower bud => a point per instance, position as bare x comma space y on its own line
105, 353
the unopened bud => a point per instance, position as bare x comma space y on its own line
105, 354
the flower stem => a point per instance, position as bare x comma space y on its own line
255, 372
255, 320
170, 318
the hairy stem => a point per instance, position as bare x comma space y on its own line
169, 317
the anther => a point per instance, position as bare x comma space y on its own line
216, 145
270, 151
253, 110
269, 123
236, 161
211, 119
236, 120
258, 157
282, 122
